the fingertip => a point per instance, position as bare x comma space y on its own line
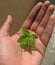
9, 18
47, 2
40, 3
51, 7
7, 24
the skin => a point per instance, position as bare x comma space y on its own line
40, 21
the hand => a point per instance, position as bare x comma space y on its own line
40, 21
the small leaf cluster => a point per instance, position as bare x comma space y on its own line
27, 40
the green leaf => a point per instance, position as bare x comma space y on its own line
24, 46
23, 41
32, 39
32, 43
27, 40
22, 38
25, 32
34, 36
33, 48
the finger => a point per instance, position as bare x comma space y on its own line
32, 15
40, 15
7, 25
44, 21
48, 31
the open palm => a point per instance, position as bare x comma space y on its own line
40, 21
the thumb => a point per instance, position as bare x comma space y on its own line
7, 25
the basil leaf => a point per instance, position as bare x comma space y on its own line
27, 40
25, 32
23, 41
33, 48
32, 43
32, 39
34, 36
